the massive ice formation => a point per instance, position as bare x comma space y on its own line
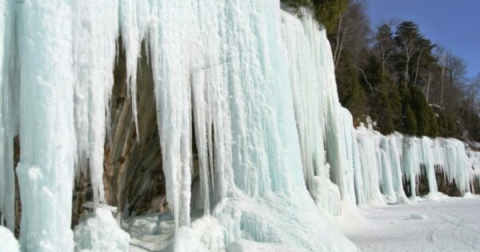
249, 86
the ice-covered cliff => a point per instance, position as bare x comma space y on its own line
253, 144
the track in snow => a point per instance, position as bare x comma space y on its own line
452, 225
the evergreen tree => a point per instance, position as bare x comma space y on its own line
414, 53
423, 112
350, 91
381, 106
329, 12
410, 122
396, 76
433, 124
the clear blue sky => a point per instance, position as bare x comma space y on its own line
453, 23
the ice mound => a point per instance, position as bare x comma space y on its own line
100, 233
418, 217
274, 222
8, 243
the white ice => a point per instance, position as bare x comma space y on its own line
100, 232
8, 243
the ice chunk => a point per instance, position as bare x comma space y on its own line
8, 243
99, 232
417, 217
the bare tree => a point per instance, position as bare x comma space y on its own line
384, 43
352, 32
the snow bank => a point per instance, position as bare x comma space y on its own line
8, 243
99, 232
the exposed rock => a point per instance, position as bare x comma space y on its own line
133, 164
446, 187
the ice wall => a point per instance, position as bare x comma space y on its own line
327, 137
220, 70
56, 70
403, 158
305, 45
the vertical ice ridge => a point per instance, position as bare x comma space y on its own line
7, 114
46, 168
95, 33
134, 22
171, 66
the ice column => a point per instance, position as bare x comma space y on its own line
170, 42
370, 168
390, 145
46, 168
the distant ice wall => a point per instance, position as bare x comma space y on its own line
404, 158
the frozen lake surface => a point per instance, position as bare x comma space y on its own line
451, 225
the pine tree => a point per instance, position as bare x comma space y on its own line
433, 124
421, 109
328, 12
351, 93
410, 122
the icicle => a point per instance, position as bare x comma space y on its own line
134, 21
370, 168
169, 43
95, 33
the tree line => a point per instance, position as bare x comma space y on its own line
396, 75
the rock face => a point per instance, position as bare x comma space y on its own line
446, 187
133, 166
133, 177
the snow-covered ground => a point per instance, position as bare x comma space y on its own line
451, 225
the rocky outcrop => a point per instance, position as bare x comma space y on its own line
133, 175
133, 165
447, 187
444, 186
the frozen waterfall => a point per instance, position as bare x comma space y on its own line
250, 86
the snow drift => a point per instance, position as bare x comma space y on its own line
100, 232
8, 243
